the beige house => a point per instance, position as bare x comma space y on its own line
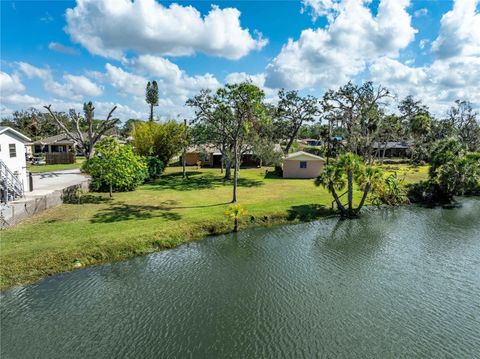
52, 144
209, 155
302, 165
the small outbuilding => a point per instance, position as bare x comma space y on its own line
302, 165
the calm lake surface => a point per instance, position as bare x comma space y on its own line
395, 283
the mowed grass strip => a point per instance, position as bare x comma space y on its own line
159, 215
58, 167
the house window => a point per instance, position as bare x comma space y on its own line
13, 150
303, 164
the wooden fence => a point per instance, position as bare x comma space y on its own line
55, 158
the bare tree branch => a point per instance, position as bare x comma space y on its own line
94, 134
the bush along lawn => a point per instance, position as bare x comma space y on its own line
165, 213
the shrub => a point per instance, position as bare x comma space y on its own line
459, 176
266, 151
456, 176
443, 152
114, 167
155, 167
426, 192
453, 172
391, 192
162, 140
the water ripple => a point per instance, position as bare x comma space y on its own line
396, 283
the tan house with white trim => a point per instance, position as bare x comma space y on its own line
302, 165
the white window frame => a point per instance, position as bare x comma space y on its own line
14, 150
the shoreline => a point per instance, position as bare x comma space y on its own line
154, 217
197, 232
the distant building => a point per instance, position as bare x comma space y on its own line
209, 155
310, 142
57, 143
302, 165
204, 155
391, 148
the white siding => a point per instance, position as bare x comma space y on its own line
16, 164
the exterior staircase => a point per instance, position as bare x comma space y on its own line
11, 187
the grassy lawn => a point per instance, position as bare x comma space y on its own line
410, 174
52, 168
160, 215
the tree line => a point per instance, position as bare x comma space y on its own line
357, 120
237, 118
362, 115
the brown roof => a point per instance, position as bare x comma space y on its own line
55, 140
211, 148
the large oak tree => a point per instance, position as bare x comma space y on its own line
231, 113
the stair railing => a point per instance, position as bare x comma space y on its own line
10, 184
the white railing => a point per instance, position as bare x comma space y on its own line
10, 185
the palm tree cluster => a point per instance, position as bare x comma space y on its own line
349, 169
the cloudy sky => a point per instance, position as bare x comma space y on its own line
65, 52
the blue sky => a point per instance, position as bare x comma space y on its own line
68, 52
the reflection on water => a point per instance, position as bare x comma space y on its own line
399, 282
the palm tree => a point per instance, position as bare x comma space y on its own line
235, 212
333, 180
352, 165
370, 179
349, 169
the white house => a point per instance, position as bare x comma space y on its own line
12, 152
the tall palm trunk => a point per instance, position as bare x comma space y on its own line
235, 174
337, 199
364, 197
350, 190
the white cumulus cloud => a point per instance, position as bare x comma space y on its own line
10, 84
353, 37
111, 27
175, 86
455, 71
460, 31
73, 86
318, 8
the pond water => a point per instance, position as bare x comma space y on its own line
399, 282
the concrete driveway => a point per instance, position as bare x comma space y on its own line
48, 182
49, 189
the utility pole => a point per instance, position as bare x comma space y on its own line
184, 157
329, 139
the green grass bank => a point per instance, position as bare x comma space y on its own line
156, 216
53, 168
